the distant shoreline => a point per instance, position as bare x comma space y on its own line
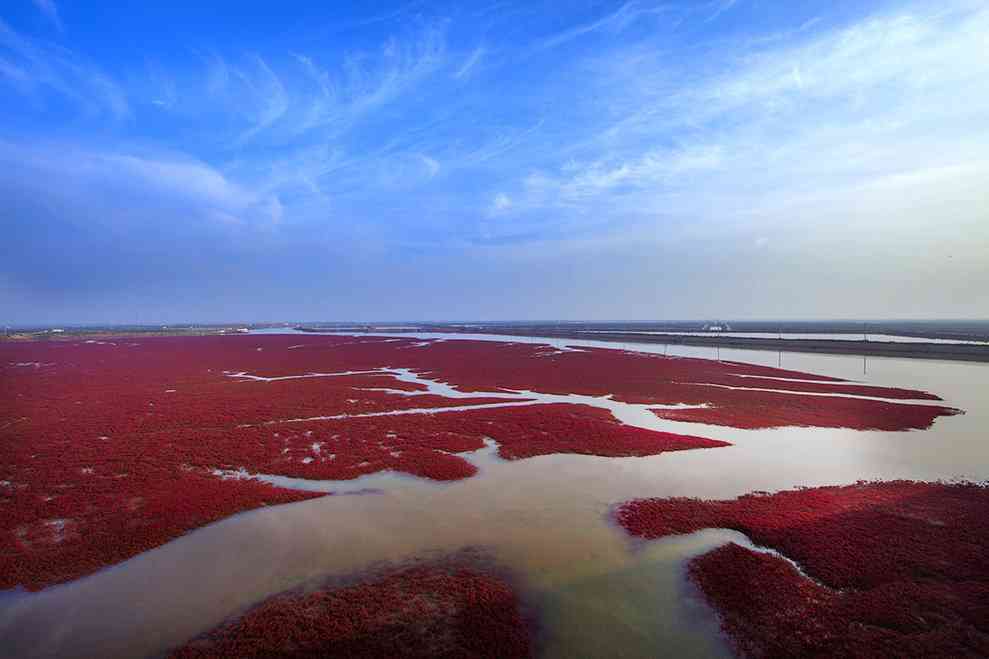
77, 334
913, 350
909, 350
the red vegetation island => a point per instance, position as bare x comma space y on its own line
886, 569
110, 448
431, 610
740, 409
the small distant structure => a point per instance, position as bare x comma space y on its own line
717, 327
243, 330
57, 330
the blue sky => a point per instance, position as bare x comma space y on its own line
494, 160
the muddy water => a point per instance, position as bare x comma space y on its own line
545, 517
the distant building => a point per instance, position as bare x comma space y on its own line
57, 331
717, 327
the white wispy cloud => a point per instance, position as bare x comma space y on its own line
431, 164
719, 7
41, 67
319, 77
126, 184
164, 93
760, 125
499, 204
469, 63
50, 10
614, 21
13, 72
815, 116
747, 152
501, 143
364, 83
217, 74
268, 93
258, 102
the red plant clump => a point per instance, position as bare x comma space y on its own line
892, 569
833, 388
424, 444
109, 448
421, 611
563, 428
81, 527
748, 409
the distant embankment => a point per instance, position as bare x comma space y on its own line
916, 350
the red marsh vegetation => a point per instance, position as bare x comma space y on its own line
889, 568
108, 449
430, 610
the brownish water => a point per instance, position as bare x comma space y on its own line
544, 517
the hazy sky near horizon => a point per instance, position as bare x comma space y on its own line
167, 162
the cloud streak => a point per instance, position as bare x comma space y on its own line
50, 10
38, 68
272, 101
720, 7
612, 23
118, 178
475, 56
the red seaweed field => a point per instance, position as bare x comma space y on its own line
110, 448
444, 609
889, 568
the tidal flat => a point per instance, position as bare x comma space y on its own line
160, 488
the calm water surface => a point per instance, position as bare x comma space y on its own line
544, 517
861, 336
